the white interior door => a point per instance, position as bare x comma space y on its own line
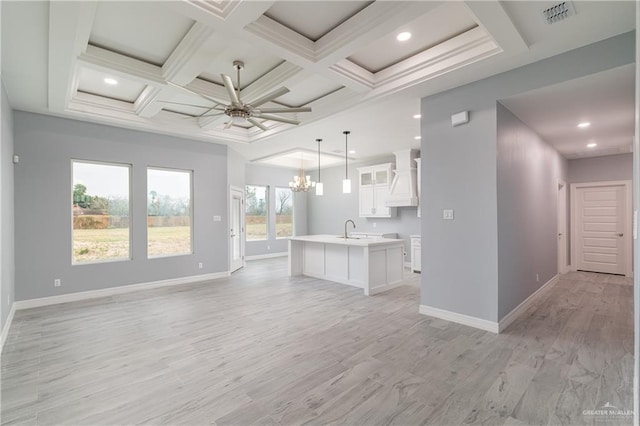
236, 231
600, 232
562, 227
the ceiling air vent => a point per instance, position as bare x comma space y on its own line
558, 12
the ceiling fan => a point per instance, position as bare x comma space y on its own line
238, 111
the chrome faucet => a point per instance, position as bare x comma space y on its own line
345, 227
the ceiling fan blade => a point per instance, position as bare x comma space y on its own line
228, 84
184, 104
276, 118
184, 89
257, 124
211, 115
270, 96
283, 109
210, 121
228, 124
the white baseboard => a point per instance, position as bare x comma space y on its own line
267, 256
522, 307
7, 325
407, 265
460, 318
93, 294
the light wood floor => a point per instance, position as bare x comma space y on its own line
261, 348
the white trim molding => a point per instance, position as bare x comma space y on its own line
526, 304
267, 256
470, 321
7, 326
94, 294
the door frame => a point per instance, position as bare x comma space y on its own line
561, 227
234, 190
628, 260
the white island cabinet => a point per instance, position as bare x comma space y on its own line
373, 264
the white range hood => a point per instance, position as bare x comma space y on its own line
404, 191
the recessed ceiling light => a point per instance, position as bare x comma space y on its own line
352, 151
585, 124
417, 116
111, 81
403, 36
418, 138
592, 145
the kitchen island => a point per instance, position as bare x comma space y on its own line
373, 264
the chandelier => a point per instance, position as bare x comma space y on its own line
302, 182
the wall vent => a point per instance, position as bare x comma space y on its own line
558, 12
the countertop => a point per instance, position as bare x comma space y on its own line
336, 239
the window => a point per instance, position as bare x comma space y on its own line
168, 212
284, 212
256, 213
101, 210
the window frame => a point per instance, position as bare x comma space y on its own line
191, 213
293, 215
267, 201
130, 198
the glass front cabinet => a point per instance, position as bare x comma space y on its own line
374, 184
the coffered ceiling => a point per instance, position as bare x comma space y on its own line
338, 57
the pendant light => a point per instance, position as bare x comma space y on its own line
319, 186
346, 183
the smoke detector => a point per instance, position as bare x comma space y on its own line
558, 12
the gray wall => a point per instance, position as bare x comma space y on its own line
47, 145
327, 213
528, 171
598, 169
460, 257
7, 274
273, 177
235, 168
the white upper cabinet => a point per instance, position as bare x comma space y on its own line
374, 183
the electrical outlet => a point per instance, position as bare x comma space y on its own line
200, 265
537, 278
447, 214
268, 247
57, 282
8, 300
375, 224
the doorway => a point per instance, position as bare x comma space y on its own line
601, 227
562, 227
236, 229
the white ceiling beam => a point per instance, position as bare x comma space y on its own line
143, 72
192, 55
272, 80
70, 26
231, 17
121, 65
374, 22
491, 16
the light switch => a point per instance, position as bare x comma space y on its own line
447, 214
217, 218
